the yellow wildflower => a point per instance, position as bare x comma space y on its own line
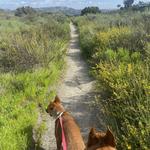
129, 68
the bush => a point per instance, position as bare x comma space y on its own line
117, 46
122, 37
88, 10
20, 97
27, 10
86, 42
34, 47
125, 89
31, 62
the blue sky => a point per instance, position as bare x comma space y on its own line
79, 4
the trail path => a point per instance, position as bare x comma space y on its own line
76, 93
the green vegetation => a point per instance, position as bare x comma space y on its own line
117, 47
128, 3
32, 55
24, 11
63, 10
90, 10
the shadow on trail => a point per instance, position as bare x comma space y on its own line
81, 107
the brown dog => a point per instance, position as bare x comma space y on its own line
101, 141
72, 133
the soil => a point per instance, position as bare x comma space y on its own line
77, 94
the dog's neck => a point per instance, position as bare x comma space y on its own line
59, 114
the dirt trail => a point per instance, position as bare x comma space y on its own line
76, 93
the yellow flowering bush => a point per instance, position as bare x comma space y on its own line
113, 38
127, 92
118, 50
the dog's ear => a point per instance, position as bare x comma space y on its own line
109, 138
91, 137
92, 131
57, 99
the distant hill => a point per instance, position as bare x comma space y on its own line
5, 14
66, 10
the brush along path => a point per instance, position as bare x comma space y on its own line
76, 93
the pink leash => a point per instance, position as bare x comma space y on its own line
64, 143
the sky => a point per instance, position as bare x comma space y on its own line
78, 4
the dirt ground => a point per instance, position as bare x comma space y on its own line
76, 93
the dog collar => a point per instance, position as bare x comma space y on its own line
59, 115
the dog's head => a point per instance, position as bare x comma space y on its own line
55, 107
101, 140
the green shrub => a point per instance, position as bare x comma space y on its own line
122, 37
118, 51
126, 97
19, 101
31, 62
33, 47
120, 55
86, 42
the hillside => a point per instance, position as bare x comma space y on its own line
66, 10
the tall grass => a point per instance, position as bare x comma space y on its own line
117, 48
31, 61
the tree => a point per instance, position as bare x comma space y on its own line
22, 11
88, 10
118, 5
128, 3
141, 3
141, 6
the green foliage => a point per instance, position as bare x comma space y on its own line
124, 37
118, 51
89, 10
11, 25
87, 46
31, 62
126, 88
27, 10
121, 55
20, 96
140, 6
128, 3
33, 47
